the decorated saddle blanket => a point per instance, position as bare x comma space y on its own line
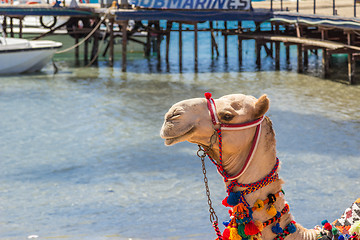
350, 216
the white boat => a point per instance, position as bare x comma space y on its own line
19, 55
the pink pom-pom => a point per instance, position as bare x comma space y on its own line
327, 226
208, 95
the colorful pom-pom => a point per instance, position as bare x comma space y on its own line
259, 205
225, 203
291, 227
226, 223
341, 237
327, 226
208, 95
335, 231
233, 198
259, 225
271, 210
277, 229
251, 229
226, 234
241, 231
323, 222
234, 234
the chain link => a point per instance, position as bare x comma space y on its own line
202, 154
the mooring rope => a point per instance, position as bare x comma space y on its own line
88, 36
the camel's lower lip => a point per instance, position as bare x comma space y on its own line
172, 140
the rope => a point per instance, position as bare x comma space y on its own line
87, 37
98, 50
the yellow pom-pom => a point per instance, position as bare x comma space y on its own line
271, 210
234, 235
259, 205
355, 228
259, 225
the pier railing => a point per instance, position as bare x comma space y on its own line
345, 8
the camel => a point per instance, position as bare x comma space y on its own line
239, 139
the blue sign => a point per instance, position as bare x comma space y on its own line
193, 4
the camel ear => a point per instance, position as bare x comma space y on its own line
261, 106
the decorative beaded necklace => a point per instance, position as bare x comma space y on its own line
242, 226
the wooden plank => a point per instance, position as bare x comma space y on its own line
295, 40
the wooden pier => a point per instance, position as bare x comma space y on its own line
325, 27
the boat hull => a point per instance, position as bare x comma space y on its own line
29, 57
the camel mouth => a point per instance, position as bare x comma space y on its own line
173, 140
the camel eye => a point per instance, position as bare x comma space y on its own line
227, 117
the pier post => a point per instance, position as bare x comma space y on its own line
158, 43
258, 46
148, 41
325, 55
180, 47
277, 49
111, 43
76, 49
168, 30
300, 58
306, 57
11, 27
287, 47
225, 40
86, 47
239, 43
196, 45
211, 36
20, 26
4, 25
95, 48
351, 60
124, 44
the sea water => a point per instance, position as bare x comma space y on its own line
81, 156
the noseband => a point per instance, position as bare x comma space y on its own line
229, 127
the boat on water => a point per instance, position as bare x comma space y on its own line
19, 55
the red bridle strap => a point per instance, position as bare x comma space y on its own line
256, 123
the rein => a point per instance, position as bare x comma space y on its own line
241, 225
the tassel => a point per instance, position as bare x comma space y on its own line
271, 210
225, 203
277, 229
251, 229
233, 198
327, 226
259, 225
226, 234
234, 234
291, 227
259, 205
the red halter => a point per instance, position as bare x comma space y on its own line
226, 127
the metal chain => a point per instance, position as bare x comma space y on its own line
202, 154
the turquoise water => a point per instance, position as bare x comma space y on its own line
81, 156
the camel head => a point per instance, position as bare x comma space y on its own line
190, 120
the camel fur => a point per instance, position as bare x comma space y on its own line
190, 120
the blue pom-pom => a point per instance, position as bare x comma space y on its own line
341, 237
277, 229
323, 222
226, 223
291, 228
278, 215
233, 198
